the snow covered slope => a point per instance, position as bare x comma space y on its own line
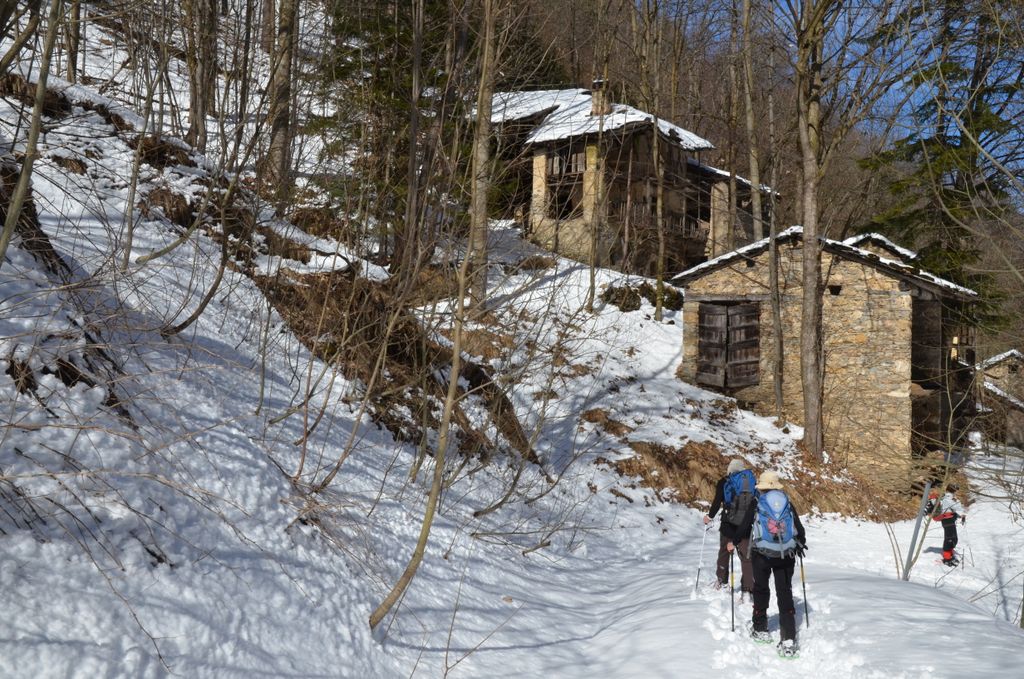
151, 525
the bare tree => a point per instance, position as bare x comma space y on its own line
278, 160
25, 176
201, 39
481, 169
863, 62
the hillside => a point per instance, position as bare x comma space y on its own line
168, 423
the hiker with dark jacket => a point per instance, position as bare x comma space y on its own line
776, 538
947, 509
727, 491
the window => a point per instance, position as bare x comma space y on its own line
729, 344
566, 161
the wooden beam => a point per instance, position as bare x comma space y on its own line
691, 297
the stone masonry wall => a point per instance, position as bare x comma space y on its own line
568, 237
867, 337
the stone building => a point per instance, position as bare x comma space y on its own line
581, 173
895, 386
1000, 381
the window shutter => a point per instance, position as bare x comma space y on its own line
712, 336
743, 355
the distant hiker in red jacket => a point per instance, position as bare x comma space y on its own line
734, 493
947, 510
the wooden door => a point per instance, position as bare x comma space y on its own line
744, 346
712, 339
729, 345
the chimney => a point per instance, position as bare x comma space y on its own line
599, 104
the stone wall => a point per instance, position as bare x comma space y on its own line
867, 338
1008, 376
568, 237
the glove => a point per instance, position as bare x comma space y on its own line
963, 520
801, 547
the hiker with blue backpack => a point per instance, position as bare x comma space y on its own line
735, 493
776, 539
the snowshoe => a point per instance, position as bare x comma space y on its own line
761, 636
788, 649
952, 563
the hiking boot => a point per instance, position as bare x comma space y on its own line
719, 584
952, 563
761, 636
788, 648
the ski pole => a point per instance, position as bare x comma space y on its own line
967, 545
803, 581
700, 564
732, 589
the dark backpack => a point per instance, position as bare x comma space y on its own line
773, 532
739, 494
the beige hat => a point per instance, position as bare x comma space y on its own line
736, 465
769, 481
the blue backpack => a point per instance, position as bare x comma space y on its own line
739, 493
773, 530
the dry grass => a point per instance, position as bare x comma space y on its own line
688, 475
174, 206
536, 263
350, 321
161, 153
75, 165
599, 416
318, 221
486, 344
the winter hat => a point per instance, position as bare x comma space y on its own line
769, 481
736, 465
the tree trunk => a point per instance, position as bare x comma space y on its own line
481, 164
202, 65
436, 484
809, 86
748, 100
405, 238
278, 162
25, 176
74, 36
268, 26
778, 346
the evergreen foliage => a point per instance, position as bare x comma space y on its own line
948, 175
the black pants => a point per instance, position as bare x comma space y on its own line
764, 567
949, 539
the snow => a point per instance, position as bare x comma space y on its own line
999, 358
877, 238
511, 106
177, 542
839, 247
725, 174
1003, 395
571, 117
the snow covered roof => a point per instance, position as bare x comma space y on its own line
896, 268
568, 114
996, 391
511, 106
725, 174
883, 242
999, 358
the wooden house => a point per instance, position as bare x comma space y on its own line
1000, 381
582, 171
896, 384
